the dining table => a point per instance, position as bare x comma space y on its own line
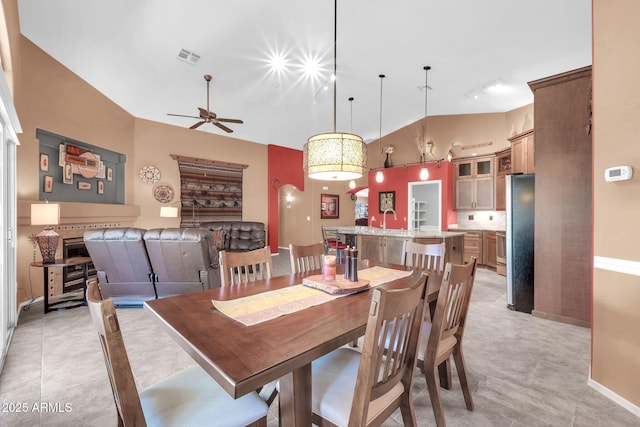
242, 358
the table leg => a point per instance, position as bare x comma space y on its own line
295, 397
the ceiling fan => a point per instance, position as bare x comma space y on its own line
207, 116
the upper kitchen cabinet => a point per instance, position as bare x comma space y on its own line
523, 153
503, 168
474, 183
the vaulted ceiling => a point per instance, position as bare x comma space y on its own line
272, 61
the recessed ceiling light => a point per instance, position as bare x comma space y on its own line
188, 56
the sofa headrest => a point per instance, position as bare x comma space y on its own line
178, 234
116, 233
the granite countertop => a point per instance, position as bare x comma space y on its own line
478, 228
373, 231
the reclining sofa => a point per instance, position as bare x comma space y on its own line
134, 265
237, 236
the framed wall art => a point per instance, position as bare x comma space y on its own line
48, 184
44, 162
100, 187
329, 206
84, 185
386, 200
67, 177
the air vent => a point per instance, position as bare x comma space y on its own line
188, 56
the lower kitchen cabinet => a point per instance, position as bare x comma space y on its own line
454, 247
473, 246
382, 249
489, 248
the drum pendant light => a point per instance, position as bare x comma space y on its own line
380, 174
424, 172
335, 156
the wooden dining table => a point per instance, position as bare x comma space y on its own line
244, 358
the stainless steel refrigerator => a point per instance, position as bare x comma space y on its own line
520, 241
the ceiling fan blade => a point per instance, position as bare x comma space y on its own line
182, 115
230, 120
223, 127
197, 125
205, 113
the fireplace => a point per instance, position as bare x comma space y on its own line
72, 277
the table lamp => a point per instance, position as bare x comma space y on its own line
46, 214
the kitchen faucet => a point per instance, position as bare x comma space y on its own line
384, 217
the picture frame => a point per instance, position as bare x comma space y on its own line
84, 185
48, 184
386, 200
67, 176
109, 174
44, 162
100, 187
329, 206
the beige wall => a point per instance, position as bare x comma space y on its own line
616, 296
51, 97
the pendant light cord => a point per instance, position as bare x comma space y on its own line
335, 60
382, 76
351, 107
426, 69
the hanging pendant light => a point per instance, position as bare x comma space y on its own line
424, 172
380, 174
335, 156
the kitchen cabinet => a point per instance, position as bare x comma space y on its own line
475, 183
473, 246
523, 153
384, 249
503, 168
489, 248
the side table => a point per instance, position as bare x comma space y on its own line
60, 302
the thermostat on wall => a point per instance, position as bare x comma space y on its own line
618, 173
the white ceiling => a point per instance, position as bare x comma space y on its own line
128, 51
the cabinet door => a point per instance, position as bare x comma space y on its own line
484, 193
517, 157
473, 246
369, 247
530, 153
501, 193
393, 249
465, 169
489, 248
484, 168
465, 194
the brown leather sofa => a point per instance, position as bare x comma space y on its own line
134, 265
239, 235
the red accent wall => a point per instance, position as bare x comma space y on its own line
285, 167
397, 179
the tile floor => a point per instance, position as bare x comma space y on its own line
524, 371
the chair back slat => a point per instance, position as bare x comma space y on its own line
123, 387
242, 267
426, 257
306, 258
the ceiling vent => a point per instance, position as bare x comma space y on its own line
188, 56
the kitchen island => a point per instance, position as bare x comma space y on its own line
385, 246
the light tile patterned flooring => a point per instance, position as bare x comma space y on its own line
524, 371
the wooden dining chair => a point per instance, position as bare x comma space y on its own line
188, 398
306, 258
243, 267
333, 240
354, 389
427, 257
444, 337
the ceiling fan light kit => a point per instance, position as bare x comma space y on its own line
207, 116
335, 156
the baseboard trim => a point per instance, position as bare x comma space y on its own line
560, 318
617, 265
634, 409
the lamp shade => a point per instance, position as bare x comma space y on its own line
45, 214
335, 157
169, 211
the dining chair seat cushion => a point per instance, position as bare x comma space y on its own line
334, 383
192, 398
445, 345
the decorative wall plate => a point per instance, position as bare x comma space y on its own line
149, 174
163, 193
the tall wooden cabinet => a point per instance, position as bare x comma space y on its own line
563, 206
474, 183
503, 168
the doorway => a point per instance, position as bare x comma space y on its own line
425, 205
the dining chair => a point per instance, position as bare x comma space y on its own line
333, 240
188, 398
444, 338
243, 267
306, 258
423, 256
354, 389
